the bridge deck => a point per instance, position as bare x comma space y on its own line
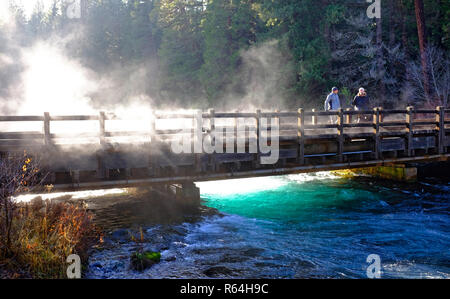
97, 158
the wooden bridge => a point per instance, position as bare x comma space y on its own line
308, 142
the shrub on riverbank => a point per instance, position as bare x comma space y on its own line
36, 238
44, 234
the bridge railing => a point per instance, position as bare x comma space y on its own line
300, 125
307, 140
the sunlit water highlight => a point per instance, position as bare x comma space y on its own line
299, 226
72, 195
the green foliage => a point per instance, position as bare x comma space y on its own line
229, 28
347, 95
305, 39
181, 49
335, 13
197, 47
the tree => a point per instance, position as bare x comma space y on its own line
192, 51
302, 23
421, 29
380, 58
439, 62
181, 50
230, 27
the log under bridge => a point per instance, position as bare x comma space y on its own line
308, 142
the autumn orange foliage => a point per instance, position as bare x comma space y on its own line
37, 237
46, 233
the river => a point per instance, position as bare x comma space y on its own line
296, 226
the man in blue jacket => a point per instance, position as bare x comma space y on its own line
333, 103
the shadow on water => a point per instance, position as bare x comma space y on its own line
136, 208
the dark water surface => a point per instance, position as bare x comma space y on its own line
296, 226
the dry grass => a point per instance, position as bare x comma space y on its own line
44, 234
36, 238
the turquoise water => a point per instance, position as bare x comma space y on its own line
301, 226
324, 226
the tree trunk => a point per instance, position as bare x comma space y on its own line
380, 64
403, 20
420, 18
326, 26
392, 22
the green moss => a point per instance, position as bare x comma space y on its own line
403, 174
143, 260
154, 256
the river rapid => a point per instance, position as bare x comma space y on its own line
296, 226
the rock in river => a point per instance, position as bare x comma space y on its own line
144, 260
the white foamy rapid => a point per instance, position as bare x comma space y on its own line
251, 185
240, 186
308, 177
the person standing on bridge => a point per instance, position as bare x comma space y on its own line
361, 102
333, 103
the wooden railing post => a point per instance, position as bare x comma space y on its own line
340, 135
301, 136
278, 120
314, 117
101, 171
440, 128
153, 166
47, 136
212, 130
198, 139
236, 132
75, 174
376, 133
102, 134
153, 126
348, 117
258, 137
198, 132
409, 131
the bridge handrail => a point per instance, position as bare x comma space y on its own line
17, 118
302, 125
